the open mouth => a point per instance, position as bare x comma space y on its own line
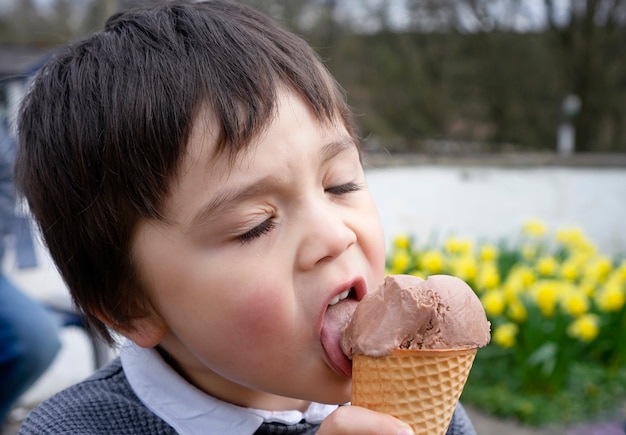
350, 292
338, 314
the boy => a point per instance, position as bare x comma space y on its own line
197, 179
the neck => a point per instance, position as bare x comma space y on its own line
228, 391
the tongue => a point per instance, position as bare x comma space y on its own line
335, 321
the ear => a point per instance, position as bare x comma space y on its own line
147, 331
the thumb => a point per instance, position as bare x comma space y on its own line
358, 420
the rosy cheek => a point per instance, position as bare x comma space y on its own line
262, 313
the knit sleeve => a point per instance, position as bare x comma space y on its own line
102, 404
460, 423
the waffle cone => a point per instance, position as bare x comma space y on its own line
420, 387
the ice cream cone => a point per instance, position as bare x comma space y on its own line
420, 387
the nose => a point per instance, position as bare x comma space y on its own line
327, 233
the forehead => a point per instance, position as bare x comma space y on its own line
292, 144
206, 145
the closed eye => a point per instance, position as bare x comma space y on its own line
257, 231
343, 189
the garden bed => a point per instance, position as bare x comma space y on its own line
557, 308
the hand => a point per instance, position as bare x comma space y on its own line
357, 420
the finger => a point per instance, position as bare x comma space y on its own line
356, 420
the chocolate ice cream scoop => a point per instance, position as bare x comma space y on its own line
407, 312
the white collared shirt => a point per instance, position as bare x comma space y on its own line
189, 410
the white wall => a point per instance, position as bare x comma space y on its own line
489, 202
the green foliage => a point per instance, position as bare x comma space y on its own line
592, 393
487, 87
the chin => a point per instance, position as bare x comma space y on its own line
334, 396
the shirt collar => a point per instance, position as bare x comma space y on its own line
189, 410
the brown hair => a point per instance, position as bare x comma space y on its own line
105, 123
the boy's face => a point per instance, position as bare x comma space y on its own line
251, 257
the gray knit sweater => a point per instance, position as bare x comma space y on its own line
105, 403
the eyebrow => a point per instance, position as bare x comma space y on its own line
330, 150
230, 197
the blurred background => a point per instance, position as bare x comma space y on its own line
433, 76
489, 126
506, 84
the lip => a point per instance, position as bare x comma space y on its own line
359, 288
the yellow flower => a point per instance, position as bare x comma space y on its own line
575, 303
570, 236
603, 265
494, 303
546, 266
585, 328
587, 287
525, 274
616, 278
432, 261
569, 270
534, 227
517, 311
519, 280
504, 335
574, 239
456, 245
402, 242
488, 276
488, 252
546, 296
529, 252
464, 267
598, 269
400, 261
611, 297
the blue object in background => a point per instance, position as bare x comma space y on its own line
24, 243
